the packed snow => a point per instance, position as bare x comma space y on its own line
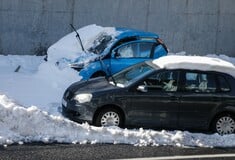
193, 62
68, 48
31, 90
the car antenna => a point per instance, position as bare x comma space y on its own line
78, 37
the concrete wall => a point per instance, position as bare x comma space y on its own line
195, 26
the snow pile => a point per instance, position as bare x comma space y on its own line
195, 62
30, 102
27, 64
20, 124
37, 82
68, 47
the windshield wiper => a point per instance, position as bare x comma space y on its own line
78, 37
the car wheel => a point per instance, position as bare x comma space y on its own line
109, 117
224, 124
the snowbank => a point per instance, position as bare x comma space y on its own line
37, 82
20, 125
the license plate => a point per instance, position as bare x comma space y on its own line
64, 102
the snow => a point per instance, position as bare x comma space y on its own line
30, 102
195, 62
37, 83
69, 47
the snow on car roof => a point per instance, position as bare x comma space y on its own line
195, 63
130, 32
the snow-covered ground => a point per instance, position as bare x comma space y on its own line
30, 103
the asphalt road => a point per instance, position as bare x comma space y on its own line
105, 151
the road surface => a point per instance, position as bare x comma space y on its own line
109, 151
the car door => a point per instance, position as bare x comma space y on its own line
199, 99
130, 53
157, 104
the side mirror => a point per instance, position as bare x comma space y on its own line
142, 88
116, 54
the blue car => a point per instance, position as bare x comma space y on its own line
113, 54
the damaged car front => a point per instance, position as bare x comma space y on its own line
110, 53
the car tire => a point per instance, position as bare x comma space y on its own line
224, 124
109, 117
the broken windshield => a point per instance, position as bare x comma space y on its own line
100, 43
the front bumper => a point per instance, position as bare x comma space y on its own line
77, 113
73, 115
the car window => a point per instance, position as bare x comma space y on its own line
131, 74
163, 81
135, 50
199, 82
144, 50
126, 51
224, 86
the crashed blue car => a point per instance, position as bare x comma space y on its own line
114, 53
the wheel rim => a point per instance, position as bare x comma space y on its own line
110, 119
225, 125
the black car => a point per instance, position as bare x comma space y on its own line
170, 92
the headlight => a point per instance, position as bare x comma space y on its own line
77, 67
82, 98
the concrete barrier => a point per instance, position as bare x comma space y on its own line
195, 26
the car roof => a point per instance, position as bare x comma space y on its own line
128, 32
195, 63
